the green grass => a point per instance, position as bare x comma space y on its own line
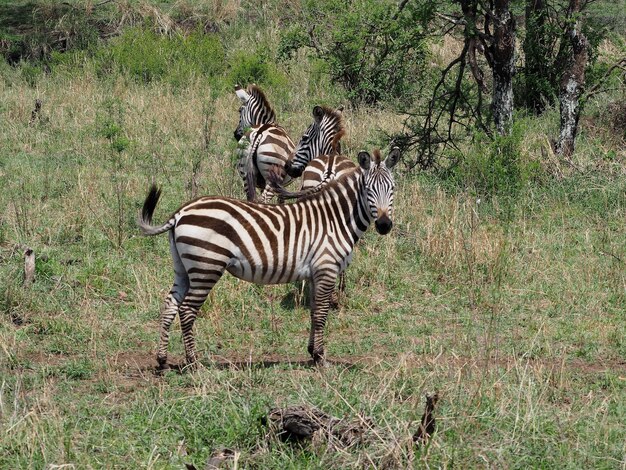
512, 309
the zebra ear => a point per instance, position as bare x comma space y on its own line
392, 158
364, 160
318, 113
242, 94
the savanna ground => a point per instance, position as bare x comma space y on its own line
511, 307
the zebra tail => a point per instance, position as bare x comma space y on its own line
250, 177
145, 217
275, 179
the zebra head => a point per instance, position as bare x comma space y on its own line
255, 109
321, 138
379, 186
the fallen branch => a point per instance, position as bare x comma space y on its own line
302, 423
428, 423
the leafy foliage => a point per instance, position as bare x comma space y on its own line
32, 30
147, 56
495, 167
374, 49
254, 67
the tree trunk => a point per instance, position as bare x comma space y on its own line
503, 66
572, 84
536, 56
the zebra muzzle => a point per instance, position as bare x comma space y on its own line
383, 224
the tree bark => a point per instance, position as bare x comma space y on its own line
572, 84
535, 56
503, 52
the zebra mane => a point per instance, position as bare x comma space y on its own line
334, 113
255, 91
335, 145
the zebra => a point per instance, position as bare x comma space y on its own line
312, 239
321, 138
321, 170
325, 168
255, 109
269, 146
265, 145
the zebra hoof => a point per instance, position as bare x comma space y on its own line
192, 365
319, 359
163, 365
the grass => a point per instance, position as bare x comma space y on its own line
511, 308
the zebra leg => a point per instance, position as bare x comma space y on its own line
196, 295
168, 313
338, 293
322, 286
172, 303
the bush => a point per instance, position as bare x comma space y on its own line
374, 50
31, 30
147, 56
254, 67
495, 167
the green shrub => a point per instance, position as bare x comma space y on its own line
31, 30
495, 167
146, 56
254, 67
374, 50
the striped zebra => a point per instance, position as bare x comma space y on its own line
312, 239
255, 109
264, 146
324, 169
268, 145
321, 138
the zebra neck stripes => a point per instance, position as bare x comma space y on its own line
322, 137
255, 109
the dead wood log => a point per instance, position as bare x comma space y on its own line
29, 267
428, 423
303, 423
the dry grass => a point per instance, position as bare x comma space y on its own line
513, 311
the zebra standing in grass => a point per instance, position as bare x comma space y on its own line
269, 146
266, 144
312, 238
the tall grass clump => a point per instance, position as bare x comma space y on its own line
495, 167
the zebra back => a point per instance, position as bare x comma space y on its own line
325, 168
